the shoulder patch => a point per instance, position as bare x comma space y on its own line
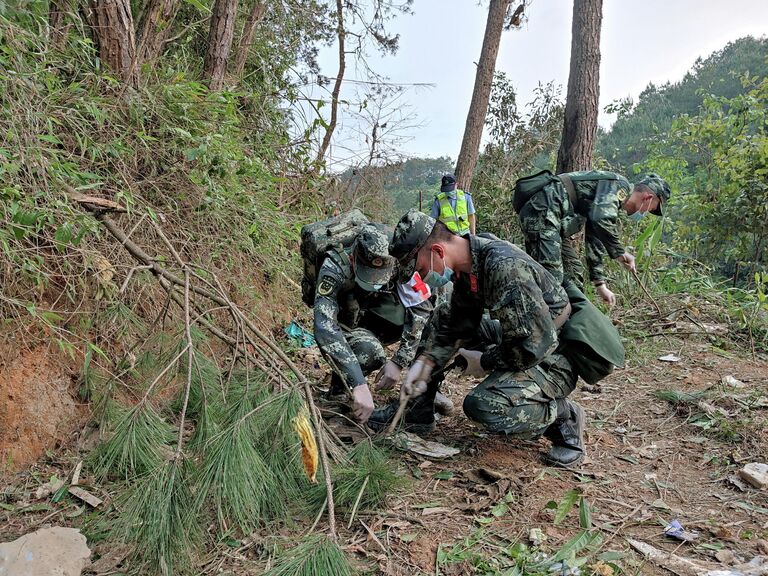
327, 285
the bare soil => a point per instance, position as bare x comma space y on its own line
37, 408
647, 463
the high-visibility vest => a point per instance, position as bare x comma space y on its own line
457, 220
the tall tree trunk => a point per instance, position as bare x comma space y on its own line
341, 33
112, 24
255, 16
219, 42
59, 22
155, 27
581, 105
473, 131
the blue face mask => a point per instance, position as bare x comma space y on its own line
435, 280
640, 214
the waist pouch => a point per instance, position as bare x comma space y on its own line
589, 340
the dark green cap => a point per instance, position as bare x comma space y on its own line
411, 233
658, 186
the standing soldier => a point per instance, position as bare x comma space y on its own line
536, 353
553, 209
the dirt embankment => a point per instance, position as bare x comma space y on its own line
38, 408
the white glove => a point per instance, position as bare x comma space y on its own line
607, 296
362, 403
474, 368
416, 380
628, 261
388, 376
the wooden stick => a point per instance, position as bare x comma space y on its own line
398, 414
357, 502
647, 293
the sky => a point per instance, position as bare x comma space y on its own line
642, 41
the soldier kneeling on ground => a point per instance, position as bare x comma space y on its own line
536, 340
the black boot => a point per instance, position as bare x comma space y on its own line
337, 389
419, 416
567, 435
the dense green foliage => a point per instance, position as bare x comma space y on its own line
639, 124
718, 161
523, 141
209, 167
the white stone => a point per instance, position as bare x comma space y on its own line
47, 552
756, 474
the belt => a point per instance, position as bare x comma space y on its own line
562, 318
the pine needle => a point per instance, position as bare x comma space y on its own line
314, 556
278, 442
237, 480
158, 517
677, 397
369, 467
135, 446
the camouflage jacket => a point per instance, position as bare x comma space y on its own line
518, 292
597, 203
340, 304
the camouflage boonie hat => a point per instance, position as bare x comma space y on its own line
373, 264
410, 234
658, 186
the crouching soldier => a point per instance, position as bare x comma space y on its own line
537, 339
358, 309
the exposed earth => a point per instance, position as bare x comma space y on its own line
649, 462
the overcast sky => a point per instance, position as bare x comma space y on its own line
642, 41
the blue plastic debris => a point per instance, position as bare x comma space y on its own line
299, 336
675, 530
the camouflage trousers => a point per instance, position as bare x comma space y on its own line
551, 232
368, 350
521, 404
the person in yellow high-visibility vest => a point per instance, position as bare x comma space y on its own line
454, 208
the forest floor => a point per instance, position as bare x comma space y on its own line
649, 461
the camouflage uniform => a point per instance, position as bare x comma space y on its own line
352, 325
519, 338
549, 222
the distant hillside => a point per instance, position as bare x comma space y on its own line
403, 182
626, 143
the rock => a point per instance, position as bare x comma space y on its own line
725, 557
733, 382
756, 474
48, 552
536, 536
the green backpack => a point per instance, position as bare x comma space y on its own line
337, 233
526, 187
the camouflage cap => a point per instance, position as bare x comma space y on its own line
373, 264
658, 186
410, 234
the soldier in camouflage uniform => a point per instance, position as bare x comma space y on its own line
358, 310
526, 378
552, 214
